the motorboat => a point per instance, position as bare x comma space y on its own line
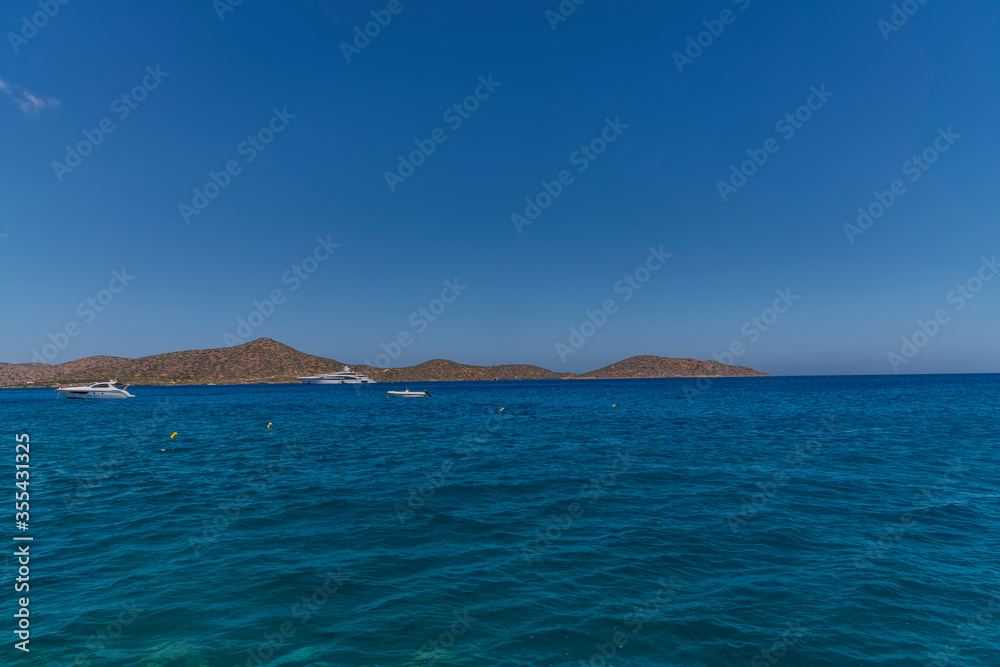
407, 394
345, 376
96, 390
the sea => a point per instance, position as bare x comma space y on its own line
765, 521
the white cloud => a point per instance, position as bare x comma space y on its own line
25, 100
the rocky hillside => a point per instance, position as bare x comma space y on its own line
262, 360
266, 360
665, 367
442, 369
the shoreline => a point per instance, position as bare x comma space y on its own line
246, 384
266, 361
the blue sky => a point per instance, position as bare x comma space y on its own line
551, 91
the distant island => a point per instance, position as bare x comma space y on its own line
266, 360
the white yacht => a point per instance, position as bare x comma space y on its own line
345, 376
96, 390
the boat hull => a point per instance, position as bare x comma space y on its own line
406, 394
107, 395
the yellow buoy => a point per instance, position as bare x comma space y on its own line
173, 434
269, 424
501, 409
614, 404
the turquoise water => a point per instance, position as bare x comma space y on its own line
753, 521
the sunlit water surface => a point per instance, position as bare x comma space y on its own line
757, 521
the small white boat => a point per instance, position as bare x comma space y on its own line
407, 394
345, 376
96, 390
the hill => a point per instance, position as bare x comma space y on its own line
262, 360
664, 367
442, 369
266, 360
